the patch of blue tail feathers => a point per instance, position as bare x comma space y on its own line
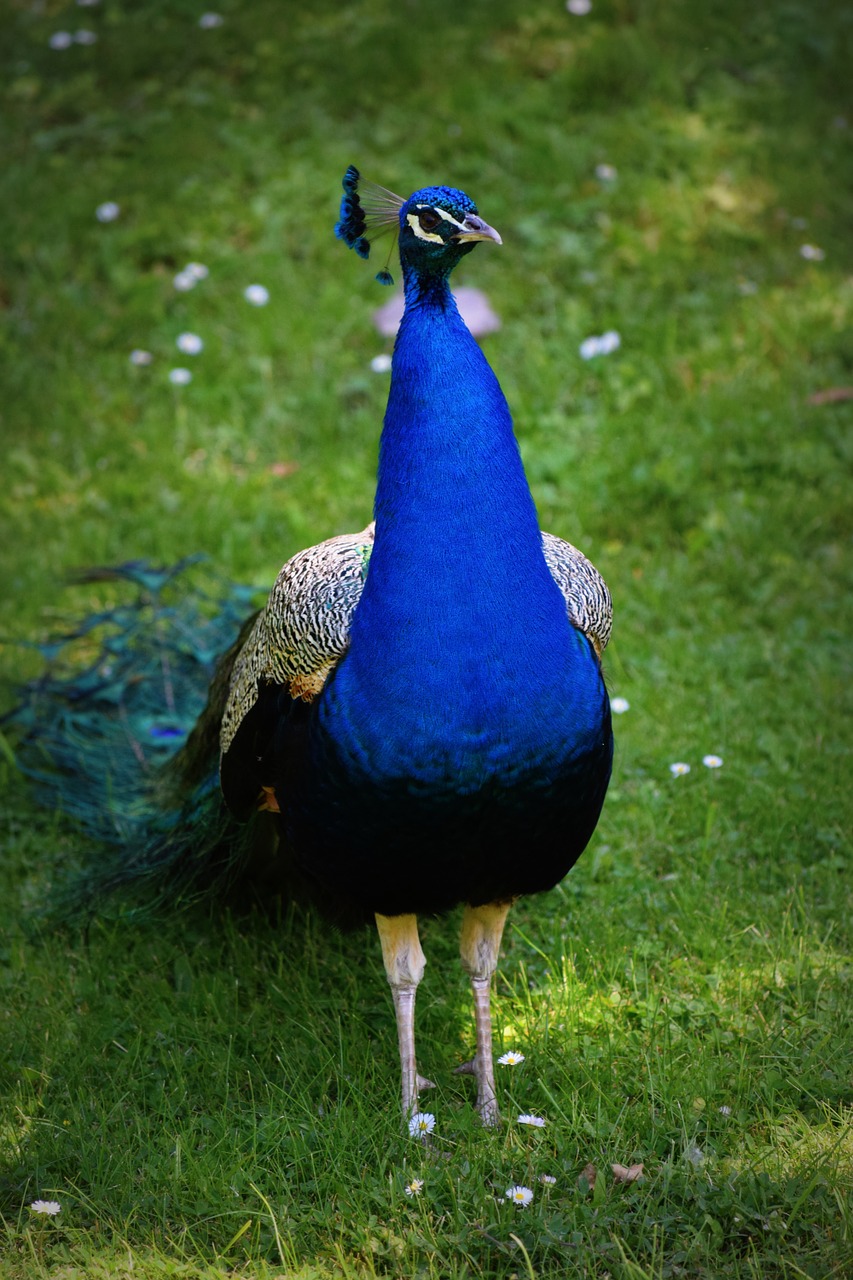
97, 731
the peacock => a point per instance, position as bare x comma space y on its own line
417, 718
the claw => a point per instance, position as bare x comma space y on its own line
423, 1083
466, 1068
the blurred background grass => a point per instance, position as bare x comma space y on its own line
693, 466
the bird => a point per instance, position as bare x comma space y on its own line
422, 703
417, 718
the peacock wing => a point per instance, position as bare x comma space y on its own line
297, 640
588, 602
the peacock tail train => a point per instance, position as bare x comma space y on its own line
120, 734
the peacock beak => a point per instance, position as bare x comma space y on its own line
474, 228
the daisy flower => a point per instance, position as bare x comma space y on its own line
712, 762
197, 270
511, 1059
679, 769
535, 1121
580, 8
108, 211
415, 1187
61, 40
138, 356
190, 343
184, 281
548, 1179
85, 37
180, 377
257, 294
606, 173
48, 1207
519, 1195
619, 706
421, 1123
209, 20
600, 344
812, 253
381, 364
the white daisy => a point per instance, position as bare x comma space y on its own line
415, 1187
511, 1059
519, 1195
49, 1207
138, 356
108, 211
209, 20
180, 377
548, 1179
600, 344
679, 769
812, 253
724, 1110
184, 281
381, 364
619, 706
536, 1121
606, 173
197, 270
609, 341
580, 8
85, 37
712, 762
257, 295
421, 1123
61, 40
190, 343
87, 4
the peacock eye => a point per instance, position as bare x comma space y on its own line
428, 219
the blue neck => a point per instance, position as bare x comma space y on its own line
457, 544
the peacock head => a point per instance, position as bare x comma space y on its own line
437, 225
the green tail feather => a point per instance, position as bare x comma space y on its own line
120, 733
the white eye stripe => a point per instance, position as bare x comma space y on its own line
412, 219
430, 236
442, 213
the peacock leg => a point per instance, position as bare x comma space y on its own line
482, 930
404, 964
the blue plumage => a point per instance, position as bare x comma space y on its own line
487, 692
419, 712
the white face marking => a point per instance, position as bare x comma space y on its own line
412, 219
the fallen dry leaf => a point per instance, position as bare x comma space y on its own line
832, 395
589, 1174
632, 1174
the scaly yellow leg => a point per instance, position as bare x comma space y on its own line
482, 930
404, 964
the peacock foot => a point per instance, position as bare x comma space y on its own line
490, 1116
487, 1103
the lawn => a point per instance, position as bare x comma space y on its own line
207, 1094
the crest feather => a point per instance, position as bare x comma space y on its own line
367, 211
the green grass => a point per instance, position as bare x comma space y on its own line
206, 1095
